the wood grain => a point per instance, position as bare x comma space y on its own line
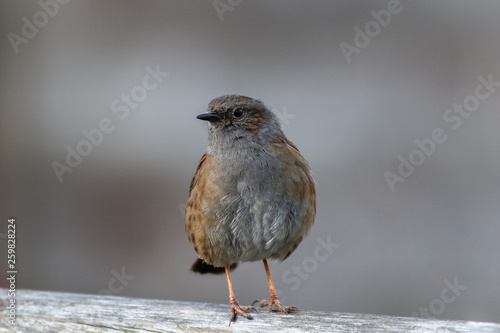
45, 311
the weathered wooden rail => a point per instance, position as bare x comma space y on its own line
45, 311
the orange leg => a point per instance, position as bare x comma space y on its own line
235, 307
273, 298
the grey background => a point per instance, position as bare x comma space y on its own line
121, 208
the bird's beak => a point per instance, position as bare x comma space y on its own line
210, 116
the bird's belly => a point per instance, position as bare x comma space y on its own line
228, 248
254, 228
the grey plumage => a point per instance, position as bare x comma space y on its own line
262, 197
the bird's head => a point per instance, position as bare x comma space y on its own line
234, 117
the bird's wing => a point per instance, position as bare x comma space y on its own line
301, 186
202, 195
197, 175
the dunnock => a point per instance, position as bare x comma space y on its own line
252, 196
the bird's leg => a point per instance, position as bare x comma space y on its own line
273, 298
235, 307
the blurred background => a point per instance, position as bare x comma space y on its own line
99, 143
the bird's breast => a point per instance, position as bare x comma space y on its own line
260, 212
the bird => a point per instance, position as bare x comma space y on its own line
252, 197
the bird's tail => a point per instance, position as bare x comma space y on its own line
202, 267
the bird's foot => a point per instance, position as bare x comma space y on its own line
236, 309
273, 300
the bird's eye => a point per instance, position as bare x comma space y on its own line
238, 112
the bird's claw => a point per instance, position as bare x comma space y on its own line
236, 309
274, 301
